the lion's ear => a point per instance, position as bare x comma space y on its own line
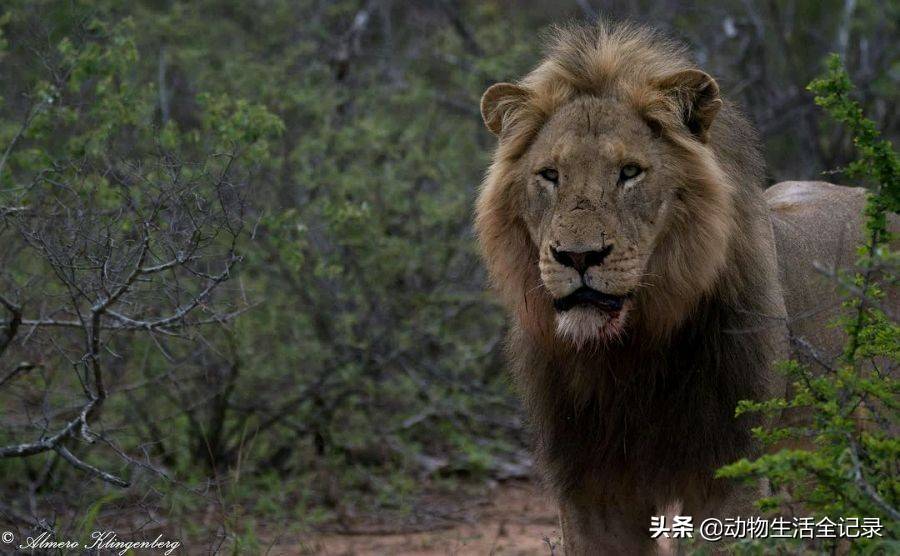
696, 96
499, 100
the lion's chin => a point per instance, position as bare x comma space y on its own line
585, 325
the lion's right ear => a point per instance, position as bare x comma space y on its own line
498, 101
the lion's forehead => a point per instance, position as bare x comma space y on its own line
597, 116
593, 129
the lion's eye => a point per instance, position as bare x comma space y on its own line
549, 174
629, 171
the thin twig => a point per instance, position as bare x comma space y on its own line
88, 468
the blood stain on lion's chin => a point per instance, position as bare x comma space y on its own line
588, 325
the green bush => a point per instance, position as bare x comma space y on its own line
852, 468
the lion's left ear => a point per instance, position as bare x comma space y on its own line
696, 97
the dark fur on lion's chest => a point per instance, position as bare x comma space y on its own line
652, 415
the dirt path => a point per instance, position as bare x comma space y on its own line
516, 519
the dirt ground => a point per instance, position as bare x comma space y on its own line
516, 518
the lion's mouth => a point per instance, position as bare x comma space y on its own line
585, 296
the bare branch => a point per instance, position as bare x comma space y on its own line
75, 426
811, 352
88, 468
182, 311
130, 324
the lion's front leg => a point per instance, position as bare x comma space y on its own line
598, 527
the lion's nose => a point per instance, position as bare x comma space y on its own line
581, 260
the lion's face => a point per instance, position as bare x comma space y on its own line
598, 195
604, 205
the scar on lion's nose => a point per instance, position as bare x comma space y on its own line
581, 260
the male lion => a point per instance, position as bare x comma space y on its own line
625, 225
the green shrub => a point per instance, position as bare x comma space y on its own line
852, 468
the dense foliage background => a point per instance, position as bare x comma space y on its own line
235, 243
